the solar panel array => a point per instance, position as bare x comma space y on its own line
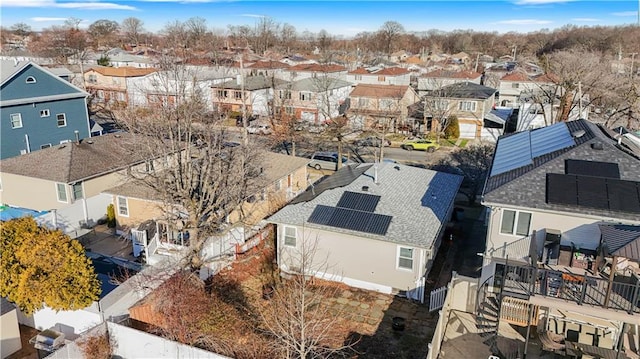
592, 168
593, 192
359, 201
351, 219
519, 150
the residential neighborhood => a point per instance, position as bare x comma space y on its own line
267, 192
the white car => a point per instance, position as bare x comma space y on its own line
255, 129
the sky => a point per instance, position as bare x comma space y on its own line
345, 18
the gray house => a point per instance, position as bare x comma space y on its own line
376, 227
38, 109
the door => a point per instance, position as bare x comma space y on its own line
139, 239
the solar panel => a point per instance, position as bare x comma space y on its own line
624, 195
550, 139
512, 152
562, 189
592, 192
354, 220
592, 168
341, 178
359, 201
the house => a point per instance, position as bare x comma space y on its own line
562, 243
376, 227
254, 93
517, 83
68, 179
385, 76
313, 100
380, 105
437, 79
38, 109
170, 87
136, 204
399, 56
302, 71
471, 103
120, 58
109, 84
268, 69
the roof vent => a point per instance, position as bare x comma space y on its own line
578, 133
597, 146
397, 168
365, 188
62, 146
117, 136
89, 142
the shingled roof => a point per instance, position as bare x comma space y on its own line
525, 185
379, 91
122, 71
76, 161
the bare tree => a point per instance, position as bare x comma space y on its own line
297, 317
133, 29
389, 32
21, 29
103, 31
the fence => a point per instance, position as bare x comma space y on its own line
83, 213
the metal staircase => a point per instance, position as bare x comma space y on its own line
488, 316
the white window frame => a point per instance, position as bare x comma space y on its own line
45, 145
278, 185
30, 80
285, 236
63, 186
514, 225
305, 96
73, 191
13, 120
399, 256
45, 113
64, 118
465, 105
124, 213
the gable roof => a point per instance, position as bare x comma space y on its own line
418, 200
516, 76
621, 240
522, 161
467, 89
318, 68
379, 91
125, 71
359, 71
442, 73
251, 83
316, 85
72, 162
391, 71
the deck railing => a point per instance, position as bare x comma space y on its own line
622, 293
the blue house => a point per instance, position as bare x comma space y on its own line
38, 109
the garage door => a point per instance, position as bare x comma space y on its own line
467, 130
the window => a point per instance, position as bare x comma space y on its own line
237, 95
363, 102
290, 236
289, 110
16, 120
77, 191
46, 145
440, 105
405, 258
469, 106
305, 96
278, 185
222, 93
515, 222
62, 119
285, 95
93, 79
123, 206
358, 77
149, 167
31, 80
381, 78
44, 113
515, 85
61, 188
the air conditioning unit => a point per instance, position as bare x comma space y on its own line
551, 249
48, 340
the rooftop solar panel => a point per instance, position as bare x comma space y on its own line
359, 201
592, 168
354, 220
562, 189
624, 195
512, 152
550, 139
592, 192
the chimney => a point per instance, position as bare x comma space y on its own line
77, 136
365, 188
375, 173
15, 61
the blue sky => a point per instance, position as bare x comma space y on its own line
337, 17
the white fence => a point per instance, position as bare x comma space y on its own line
81, 214
436, 298
132, 343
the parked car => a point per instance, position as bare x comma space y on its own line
256, 129
420, 145
373, 141
327, 161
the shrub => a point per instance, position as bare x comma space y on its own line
453, 127
111, 216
